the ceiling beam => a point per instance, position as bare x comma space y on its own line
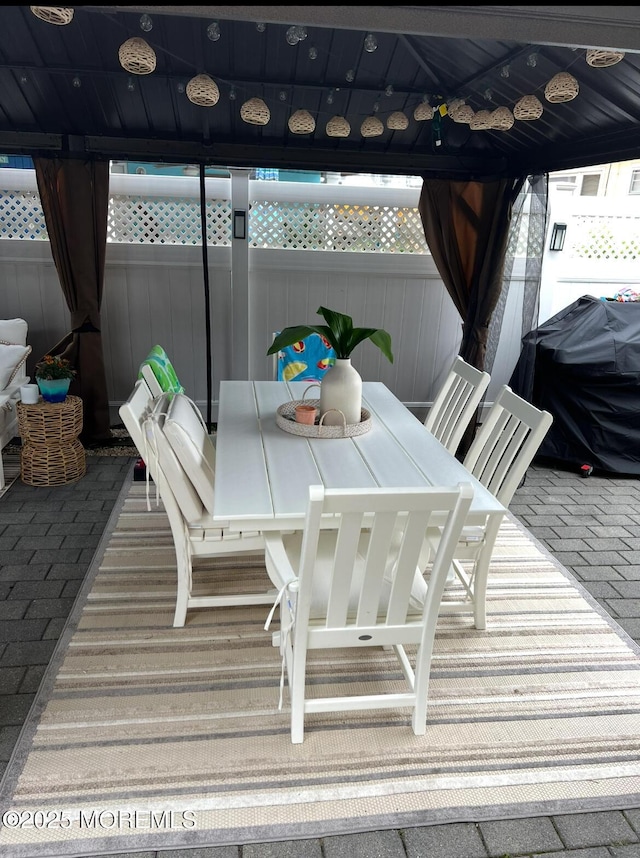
615, 27
258, 155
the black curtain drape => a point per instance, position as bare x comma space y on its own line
466, 225
75, 195
528, 233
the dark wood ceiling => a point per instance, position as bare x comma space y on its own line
63, 89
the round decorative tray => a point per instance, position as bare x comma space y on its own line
286, 420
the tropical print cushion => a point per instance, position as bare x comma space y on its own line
163, 370
306, 360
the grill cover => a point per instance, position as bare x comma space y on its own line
583, 365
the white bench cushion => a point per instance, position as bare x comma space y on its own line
187, 434
12, 358
13, 331
186, 496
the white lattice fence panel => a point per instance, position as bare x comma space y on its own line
176, 220
21, 216
359, 228
519, 242
602, 237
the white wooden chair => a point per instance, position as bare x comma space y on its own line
158, 426
361, 585
456, 403
134, 412
499, 457
152, 382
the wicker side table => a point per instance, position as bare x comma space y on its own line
51, 453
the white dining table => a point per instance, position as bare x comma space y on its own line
263, 473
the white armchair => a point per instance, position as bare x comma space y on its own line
172, 439
361, 585
14, 352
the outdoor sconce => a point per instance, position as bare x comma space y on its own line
557, 236
239, 223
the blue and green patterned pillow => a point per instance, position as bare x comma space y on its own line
163, 370
307, 360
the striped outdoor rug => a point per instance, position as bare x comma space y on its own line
150, 737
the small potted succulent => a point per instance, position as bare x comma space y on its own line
341, 387
54, 375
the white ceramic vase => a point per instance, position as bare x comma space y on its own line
341, 388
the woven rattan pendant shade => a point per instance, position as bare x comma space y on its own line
423, 112
338, 127
481, 121
137, 57
562, 87
371, 127
464, 114
203, 91
301, 122
397, 121
53, 14
527, 108
601, 59
502, 119
255, 112
461, 112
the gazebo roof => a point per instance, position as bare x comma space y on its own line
64, 90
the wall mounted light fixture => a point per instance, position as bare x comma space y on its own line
558, 234
239, 223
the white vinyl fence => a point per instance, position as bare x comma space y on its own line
357, 250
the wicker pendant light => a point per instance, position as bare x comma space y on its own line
527, 108
502, 119
464, 114
338, 127
562, 87
371, 127
301, 122
53, 14
203, 91
137, 57
481, 121
397, 121
599, 58
423, 112
459, 111
255, 112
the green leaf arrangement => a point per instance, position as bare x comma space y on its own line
339, 331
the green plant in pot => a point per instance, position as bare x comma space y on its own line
54, 375
341, 388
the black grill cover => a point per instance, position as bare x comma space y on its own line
583, 365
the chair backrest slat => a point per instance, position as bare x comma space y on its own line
359, 582
134, 412
506, 444
375, 565
456, 402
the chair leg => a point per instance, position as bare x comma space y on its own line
481, 574
180, 615
296, 693
421, 684
183, 585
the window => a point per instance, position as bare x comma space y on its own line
635, 182
590, 185
565, 182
